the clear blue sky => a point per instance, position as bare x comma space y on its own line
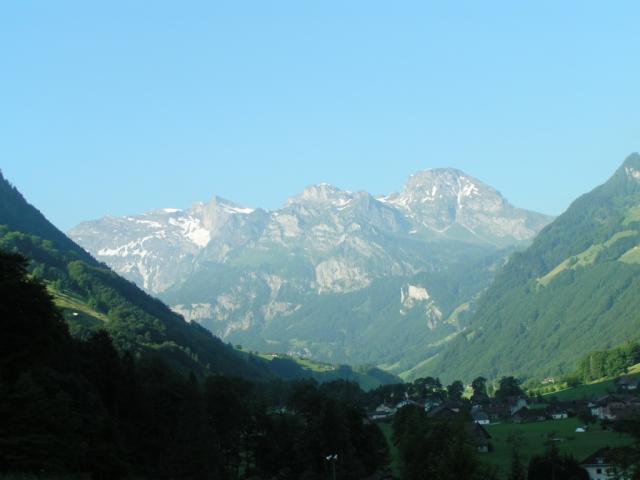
119, 107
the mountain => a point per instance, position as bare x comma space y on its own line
340, 276
573, 291
92, 296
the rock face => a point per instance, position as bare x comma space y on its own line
242, 272
442, 199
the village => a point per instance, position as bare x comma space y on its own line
483, 416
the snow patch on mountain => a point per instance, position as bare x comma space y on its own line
192, 229
134, 248
633, 173
237, 210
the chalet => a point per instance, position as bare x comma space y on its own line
403, 403
481, 417
626, 383
612, 407
572, 407
600, 466
607, 405
558, 413
497, 411
524, 415
382, 412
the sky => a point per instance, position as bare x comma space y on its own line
120, 107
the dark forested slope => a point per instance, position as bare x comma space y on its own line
97, 298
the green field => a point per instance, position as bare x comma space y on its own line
305, 363
74, 303
587, 391
534, 435
590, 390
532, 438
393, 451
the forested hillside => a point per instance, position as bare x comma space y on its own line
137, 322
573, 291
72, 406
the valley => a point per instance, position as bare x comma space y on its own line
337, 276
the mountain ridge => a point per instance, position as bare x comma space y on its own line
262, 278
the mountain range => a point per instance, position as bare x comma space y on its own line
339, 276
91, 297
441, 279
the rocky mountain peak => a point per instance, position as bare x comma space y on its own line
321, 195
223, 205
443, 184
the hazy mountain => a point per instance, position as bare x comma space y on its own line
574, 290
307, 278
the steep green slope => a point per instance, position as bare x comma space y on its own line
93, 297
575, 290
102, 299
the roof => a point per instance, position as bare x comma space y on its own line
599, 457
524, 412
621, 398
442, 411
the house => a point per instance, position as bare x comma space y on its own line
497, 411
600, 465
524, 415
381, 412
612, 407
572, 407
607, 405
403, 403
626, 383
479, 436
558, 413
481, 417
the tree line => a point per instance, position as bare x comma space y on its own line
71, 406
